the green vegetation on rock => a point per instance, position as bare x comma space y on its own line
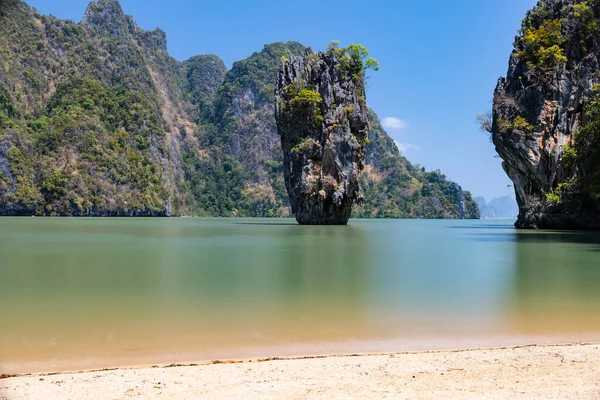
543, 46
97, 119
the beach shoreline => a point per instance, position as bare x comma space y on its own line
526, 371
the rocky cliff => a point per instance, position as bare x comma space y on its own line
545, 116
322, 117
97, 119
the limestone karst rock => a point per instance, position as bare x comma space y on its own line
540, 113
322, 117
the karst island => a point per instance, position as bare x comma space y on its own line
323, 120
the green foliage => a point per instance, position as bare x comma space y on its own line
585, 16
217, 187
360, 55
553, 197
518, 124
255, 72
7, 109
6, 104
112, 135
333, 45
521, 124
354, 59
371, 63
305, 104
23, 170
549, 56
543, 11
306, 97
543, 47
19, 164
357, 51
32, 80
305, 144
55, 186
569, 156
504, 126
556, 195
39, 125
485, 121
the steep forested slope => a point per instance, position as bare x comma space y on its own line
97, 119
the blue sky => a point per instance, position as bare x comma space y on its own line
440, 61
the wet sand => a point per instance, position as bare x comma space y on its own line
545, 371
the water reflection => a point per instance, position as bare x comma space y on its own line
105, 288
322, 272
139, 290
325, 263
556, 282
433, 279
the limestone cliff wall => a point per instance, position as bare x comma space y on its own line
539, 108
322, 117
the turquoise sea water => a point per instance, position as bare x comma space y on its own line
88, 293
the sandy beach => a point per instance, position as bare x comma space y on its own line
547, 371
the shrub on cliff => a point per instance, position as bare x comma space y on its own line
354, 60
542, 47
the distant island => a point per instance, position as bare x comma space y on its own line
96, 119
504, 207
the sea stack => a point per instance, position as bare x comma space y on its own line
546, 116
322, 118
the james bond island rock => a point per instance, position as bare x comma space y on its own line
546, 116
323, 120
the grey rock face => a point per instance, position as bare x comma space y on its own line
107, 16
460, 199
156, 39
322, 118
5, 165
551, 100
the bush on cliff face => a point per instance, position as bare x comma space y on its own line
305, 104
542, 47
354, 61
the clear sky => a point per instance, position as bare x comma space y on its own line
440, 61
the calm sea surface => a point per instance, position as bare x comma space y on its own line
89, 293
